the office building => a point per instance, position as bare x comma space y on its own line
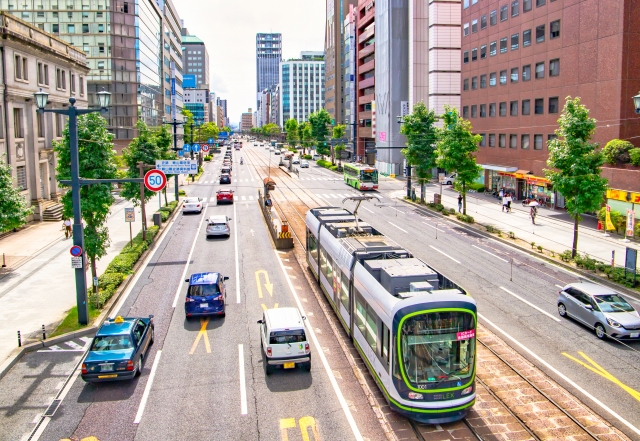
195, 58
31, 60
172, 61
520, 60
349, 75
268, 112
301, 89
246, 121
223, 103
268, 57
365, 80
197, 102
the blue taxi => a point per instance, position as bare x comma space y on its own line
118, 350
206, 295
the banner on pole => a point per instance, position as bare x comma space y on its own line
631, 220
608, 223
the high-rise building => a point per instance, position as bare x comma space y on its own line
195, 58
366, 80
172, 62
246, 120
268, 112
268, 57
301, 88
123, 44
223, 103
350, 48
197, 102
522, 59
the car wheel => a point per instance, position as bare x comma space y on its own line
267, 368
153, 335
562, 310
307, 367
139, 367
600, 332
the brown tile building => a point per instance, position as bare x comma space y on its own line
365, 79
522, 58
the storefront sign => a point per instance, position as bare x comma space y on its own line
622, 195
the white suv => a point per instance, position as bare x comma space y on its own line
283, 339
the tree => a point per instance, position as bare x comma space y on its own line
188, 120
143, 149
337, 133
305, 136
319, 121
454, 150
13, 207
97, 161
291, 127
575, 164
617, 152
421, 132
208, 130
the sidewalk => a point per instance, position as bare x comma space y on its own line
553, 229
39, 287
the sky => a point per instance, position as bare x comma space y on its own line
229, 28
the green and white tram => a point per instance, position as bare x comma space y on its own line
360, 176
415, 329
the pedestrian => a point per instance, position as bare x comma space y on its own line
504, 202
459, 202
501, 194
67, 228
533, 213
509, 200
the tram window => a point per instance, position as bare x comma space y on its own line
372, 329
344, 292
386, 339
313, 246
361, 313
325, 263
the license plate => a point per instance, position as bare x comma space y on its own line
289, 365
106, 367
204, 305
635, 334
108, 376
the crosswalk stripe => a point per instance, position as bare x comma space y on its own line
251, 197
244, 198
327, 196
73, 344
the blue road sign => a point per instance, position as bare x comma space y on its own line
196, 148
210, 141
186, 148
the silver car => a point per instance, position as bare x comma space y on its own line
601, 309
304, 164
218, 226
192, 205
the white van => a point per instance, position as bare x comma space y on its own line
315, 156
283, 339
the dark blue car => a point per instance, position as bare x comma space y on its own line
119, 349
206, 295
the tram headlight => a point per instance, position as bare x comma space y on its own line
467, 390
415, 396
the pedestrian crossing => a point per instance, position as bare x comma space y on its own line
234, 180
212, 199
76, 345
321, 179
327, 196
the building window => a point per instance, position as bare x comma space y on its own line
81, 84
465, 57
483, 22
513, 111
493, 18
492, 48
504, 12
515, 8
85, 28
465, 84
551, 137
503, 45
503, 108
524, 142
61, 80
73, 83
515, 41
554, 29
492, 110
503, 77
71, 29
474, 111
17, 67
465, 112
492, 140
483, 139
100, 65
18, 131
526, 38
55, 28
483, 51
553, 104
474, 54
101, 28
474, 26
492, 79
554, 67
483, 81
537, 142
540, 3
514, 74
539, 106
502, 140
526, 72
483, 110
513, 141
527, 5
539, 70
21, 173
465, 29
474, 83
526, 107
540, 33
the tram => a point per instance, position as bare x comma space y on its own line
414, 328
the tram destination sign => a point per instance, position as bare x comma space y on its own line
177, 167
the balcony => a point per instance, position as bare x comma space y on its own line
366, 99
366, 67
367, 34
364, 132
366, 19
369, 82
364, 115
367, 50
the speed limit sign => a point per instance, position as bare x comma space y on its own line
155, 180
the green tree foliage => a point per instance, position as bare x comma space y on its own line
226, 129
143, 149
13, 207
421, 132
320, 121
164, 140
97, 161
634, 155
188, 121
206, 131
617, 152
305, 136
338, 133
454, 149
575, 164
270, 129
291, 127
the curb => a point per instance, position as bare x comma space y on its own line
18, 353
281, 167
563, 265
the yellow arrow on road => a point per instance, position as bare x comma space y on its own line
267, 284
265, 306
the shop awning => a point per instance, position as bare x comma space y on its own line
502, 168
522, 172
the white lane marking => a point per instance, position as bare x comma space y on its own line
326, 196
531, 304
365, 208
429, 225
147, 388
244, 198
73, 344
85, 339
37, 418
235, 237
564, 377
243, 388
323, 359
497, 257
398, 227
561, 287
445, 254
186, 266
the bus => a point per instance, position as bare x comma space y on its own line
360, 176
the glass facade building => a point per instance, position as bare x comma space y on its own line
268, 57
302, 89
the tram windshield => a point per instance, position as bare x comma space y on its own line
438, 347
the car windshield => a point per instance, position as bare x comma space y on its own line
191, 201
369, 176
281, 337
203, 290
111, 343
613, 303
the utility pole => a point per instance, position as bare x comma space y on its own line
141, 167
175, 125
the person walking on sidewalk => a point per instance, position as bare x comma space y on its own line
459, 203
504, 202
533, 212
67, 228
509, 200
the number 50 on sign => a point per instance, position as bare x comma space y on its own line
155, 180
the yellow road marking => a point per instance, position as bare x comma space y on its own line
267, 283
202, 333
596, 368
286, 423
265, 306
306, 423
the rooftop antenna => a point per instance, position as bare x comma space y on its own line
358, 200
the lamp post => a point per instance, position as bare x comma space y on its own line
400, 121
175, 123
636, 103
104, 99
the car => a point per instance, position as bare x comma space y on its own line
449, 180
225, 178
192, 205
118, 350
601, 309
206, 295
304, 164
224, 196
255, 144
226, 168
276, 152
295, 161
315, 156
267, 148
261, 145
218, 226
283, 339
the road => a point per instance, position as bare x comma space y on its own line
517, 301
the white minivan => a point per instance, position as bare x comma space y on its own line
283, 340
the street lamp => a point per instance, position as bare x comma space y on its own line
636, 102
400, 120
104, 99
175, 123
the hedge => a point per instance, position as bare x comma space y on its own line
307, 157
477, 187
